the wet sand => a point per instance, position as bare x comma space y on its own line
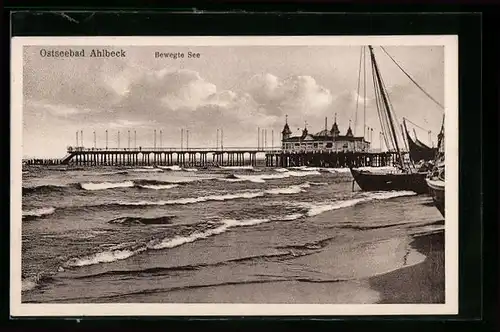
421, 283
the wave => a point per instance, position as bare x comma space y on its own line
289, 190
237, 167
171, 168
315, 209
128, 221
192, 200
159, 186
263, 177
224, 197
44, 189
226, 224
111, 255
103, 257
31, 283
146, 169
106, 185
115, 173
145, 184
39, 212
190, 169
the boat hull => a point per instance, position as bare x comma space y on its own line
390, 181
436, 190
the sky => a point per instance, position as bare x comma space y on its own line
238, 89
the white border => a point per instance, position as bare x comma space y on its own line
450, 42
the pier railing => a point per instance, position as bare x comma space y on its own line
72, 149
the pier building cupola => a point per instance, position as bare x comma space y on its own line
286, 129
305, 132
335, 128
325, 132
349, 131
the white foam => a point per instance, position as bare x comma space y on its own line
103, 257
261, 178
192, 200
180, 240
289, 190
315, 209
171, 168
320, 208
236, 167
291, 217
281, 170
190, 170
342, 170
226, 224
147, 170
159, 186
39, 212
116, 252
304, 173
231, 180
106, 185
389, 194
28, 284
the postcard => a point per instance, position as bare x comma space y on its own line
208, 176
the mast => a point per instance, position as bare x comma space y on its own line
386, 104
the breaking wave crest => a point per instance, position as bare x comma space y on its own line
224, 225
224, 197
159, 186
263, 177
109, 256
103, 257
39, 212
318, 208
192, 200
32, 282
106, 185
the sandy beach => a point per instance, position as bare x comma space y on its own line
421, 283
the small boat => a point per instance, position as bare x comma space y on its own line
436, 189
408, 177
436, 179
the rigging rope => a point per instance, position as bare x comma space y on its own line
408, 75
416, 125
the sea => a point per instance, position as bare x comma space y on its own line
223, 234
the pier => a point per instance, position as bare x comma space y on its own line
334, 159
183, 157
206, 157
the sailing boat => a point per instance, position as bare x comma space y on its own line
436, 180
418, 150
406, 178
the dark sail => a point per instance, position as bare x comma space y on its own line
418, 150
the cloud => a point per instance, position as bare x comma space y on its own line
292, 95
59, 110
